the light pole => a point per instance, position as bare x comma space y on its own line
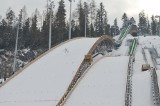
50, 23
85, 19
157, 16
15, 52
70, 19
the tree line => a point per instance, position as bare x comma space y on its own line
34, 30
146, 25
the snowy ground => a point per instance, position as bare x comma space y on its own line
142, 92
104, 84
44, 82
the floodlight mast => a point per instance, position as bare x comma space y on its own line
15, 52
85, 19
70, 19
50, 23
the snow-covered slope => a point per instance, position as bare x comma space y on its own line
44, 82
104, 84
142, 92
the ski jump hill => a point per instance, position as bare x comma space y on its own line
90, 72
44, 81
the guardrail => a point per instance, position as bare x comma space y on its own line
132, 47
155, 87
154, 80
100, 46
128, 94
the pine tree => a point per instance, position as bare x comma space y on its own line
81, 19
148, 27
142, 22
100, 20
92, 32
10, 16
34, 30
132, 21
45, 30
9, 34
125, 20
153, 25
3, 29
116, 30
102, 11
60, 24
26, 34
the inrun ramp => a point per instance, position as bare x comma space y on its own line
103, 84
45, 81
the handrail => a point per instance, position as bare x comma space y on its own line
83, 67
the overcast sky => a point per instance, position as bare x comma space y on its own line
115, 8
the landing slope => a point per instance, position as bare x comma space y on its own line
103, 85
44, 82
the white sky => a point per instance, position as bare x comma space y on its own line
115, 8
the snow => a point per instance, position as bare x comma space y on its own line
44, 82
104, 84
149, 41
139, 60
142, 92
